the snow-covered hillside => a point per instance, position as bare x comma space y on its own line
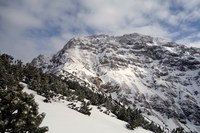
61, 119
161, 78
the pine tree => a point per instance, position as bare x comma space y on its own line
85, 108
178, 130
19, 112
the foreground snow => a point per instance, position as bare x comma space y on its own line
61, 119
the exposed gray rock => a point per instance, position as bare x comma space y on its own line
139, 71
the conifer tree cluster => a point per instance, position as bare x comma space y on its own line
18, 110
134, 118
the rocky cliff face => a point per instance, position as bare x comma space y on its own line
161, 78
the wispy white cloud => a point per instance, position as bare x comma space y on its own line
31, 27
195, 44
192, 40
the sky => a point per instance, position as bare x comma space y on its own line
32, 27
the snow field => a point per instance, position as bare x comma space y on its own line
61, 119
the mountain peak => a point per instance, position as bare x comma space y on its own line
159, 77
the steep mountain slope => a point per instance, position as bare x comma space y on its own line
159, 77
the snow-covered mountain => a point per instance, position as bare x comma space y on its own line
161, 78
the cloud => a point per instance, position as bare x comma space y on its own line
33, 27
192, 40
195, 44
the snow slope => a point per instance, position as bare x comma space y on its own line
61, 119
